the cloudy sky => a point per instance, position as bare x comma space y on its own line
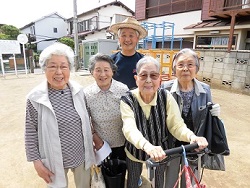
22, 12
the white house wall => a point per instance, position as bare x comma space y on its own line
180, 20
96, 35
242, 39
104, 16
45, 29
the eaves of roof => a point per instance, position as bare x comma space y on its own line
204, 25
49, 15
88, 32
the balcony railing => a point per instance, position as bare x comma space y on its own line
221, 8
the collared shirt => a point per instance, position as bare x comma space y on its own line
104, 110
175, 123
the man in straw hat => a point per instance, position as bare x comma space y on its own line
129, 33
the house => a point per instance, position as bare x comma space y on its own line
225, 24
46, 30
93, 34
93, 24
218, 29
207, 24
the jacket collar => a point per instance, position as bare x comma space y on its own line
197, 86
96, 88
40, 93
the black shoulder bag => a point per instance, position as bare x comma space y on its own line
213, 130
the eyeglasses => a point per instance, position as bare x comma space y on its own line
54, 68
182, 65
153, 76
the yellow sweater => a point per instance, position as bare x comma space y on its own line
175, 123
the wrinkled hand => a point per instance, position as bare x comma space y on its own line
215, 111
201, 141
155, 152
42, 171
98, 142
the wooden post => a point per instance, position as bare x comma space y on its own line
231, 34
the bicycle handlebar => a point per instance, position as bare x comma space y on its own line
151, 165
169, 152
177, 150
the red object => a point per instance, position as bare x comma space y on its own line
189, 175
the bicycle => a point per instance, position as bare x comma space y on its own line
178, 152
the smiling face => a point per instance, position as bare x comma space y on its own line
185, 68
103, 74
148, 81
57, 72
128, 39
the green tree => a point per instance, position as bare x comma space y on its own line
68, 41
9, 32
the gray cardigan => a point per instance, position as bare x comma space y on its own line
200, 99
49, 141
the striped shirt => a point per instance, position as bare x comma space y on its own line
69, 125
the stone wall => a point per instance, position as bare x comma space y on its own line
223, 70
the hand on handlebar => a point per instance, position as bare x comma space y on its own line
155, 152
201, 141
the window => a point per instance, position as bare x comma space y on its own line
55, 30
87, 25
214, 42
166, 7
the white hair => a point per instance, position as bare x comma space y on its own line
56, 48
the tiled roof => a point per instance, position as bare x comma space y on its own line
215, 23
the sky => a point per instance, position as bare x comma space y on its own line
22, 12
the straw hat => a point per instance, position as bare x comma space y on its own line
130, 23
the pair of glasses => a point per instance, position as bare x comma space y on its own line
53, 68
182, 65
153, 76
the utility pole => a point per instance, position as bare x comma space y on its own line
76, 35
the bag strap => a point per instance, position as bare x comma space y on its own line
95, 169
188, 172
175, 185
193, 176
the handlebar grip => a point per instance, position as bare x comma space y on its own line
177, 150
150, 164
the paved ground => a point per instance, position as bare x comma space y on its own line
17, 173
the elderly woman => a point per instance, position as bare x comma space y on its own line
103, 105
57, 128
150, 116
192, 97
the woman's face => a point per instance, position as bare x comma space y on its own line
57, 72
148, 80
185, 68
103, 74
